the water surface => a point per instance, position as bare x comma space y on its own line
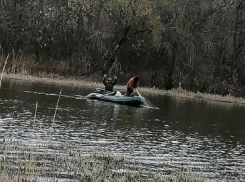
181, 134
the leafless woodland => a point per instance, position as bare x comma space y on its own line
198, 43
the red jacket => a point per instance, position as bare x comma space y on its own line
131, 84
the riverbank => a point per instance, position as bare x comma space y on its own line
86, 82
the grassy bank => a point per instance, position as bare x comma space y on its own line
86, 82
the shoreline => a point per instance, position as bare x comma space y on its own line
177, 92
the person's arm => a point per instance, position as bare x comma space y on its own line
135, 84
104, 79
115, 80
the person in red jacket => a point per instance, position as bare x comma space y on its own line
132, 84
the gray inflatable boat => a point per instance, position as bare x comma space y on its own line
116, 97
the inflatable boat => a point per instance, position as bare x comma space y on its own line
116, 97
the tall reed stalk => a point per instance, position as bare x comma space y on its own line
3, 71
35, 116
57, 104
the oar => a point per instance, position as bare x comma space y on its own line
138, 93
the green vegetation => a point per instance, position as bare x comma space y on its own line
164, 42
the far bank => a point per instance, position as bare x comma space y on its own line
86, 82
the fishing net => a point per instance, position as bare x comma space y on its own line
149, 104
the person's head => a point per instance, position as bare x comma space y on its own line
109, 80
136, 79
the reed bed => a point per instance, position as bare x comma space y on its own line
19, 162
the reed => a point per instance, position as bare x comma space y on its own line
55, 112
27, 165
3, 71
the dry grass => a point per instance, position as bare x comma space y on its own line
53, 79
20, 163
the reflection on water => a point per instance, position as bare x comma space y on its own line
182, 133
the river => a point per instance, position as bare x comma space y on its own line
203, 136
